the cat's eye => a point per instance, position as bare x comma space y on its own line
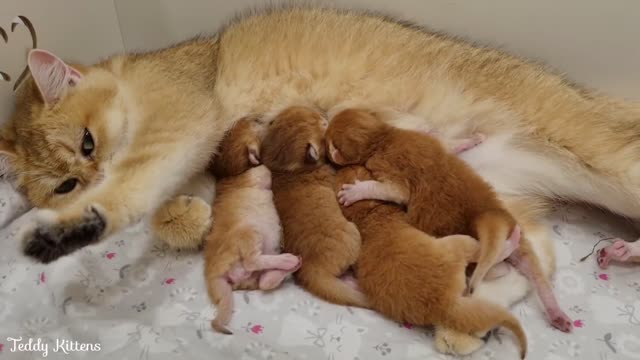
87, 144
67, 186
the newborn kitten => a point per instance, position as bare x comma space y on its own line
443, 194
412, 277
243, 249
314, 228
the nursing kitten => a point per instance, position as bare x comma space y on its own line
447, 197
243, 249
313, 226
442, 194
412, 277
156, 117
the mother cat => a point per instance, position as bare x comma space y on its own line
116, 140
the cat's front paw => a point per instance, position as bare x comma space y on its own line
182, 222
50, 238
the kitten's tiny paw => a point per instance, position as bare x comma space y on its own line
50, 238
350, 193
449, 341
290, 262
618, 251
561, 321
182, 222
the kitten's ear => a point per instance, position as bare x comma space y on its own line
7, 157
52, 76
254, 155
312, 156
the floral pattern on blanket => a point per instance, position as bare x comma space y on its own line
138, 300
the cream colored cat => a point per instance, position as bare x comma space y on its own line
126, 134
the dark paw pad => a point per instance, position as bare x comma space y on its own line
49, 242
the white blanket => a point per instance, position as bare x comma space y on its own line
131, 298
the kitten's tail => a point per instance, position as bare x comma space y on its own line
221, 294
496, 230
472, 315
327, 286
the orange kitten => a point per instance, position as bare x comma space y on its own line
443, 195
412, 277
243, 249
313, 225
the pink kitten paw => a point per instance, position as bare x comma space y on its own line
290, 262
618, 251
271, 279
560, 321
351, 193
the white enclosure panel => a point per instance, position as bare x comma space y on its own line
77, 30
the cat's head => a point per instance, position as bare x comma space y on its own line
352, 136
67, 124
239, 150
294, 140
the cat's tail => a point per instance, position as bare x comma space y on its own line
327, 286
498, 234
221, 294
472, 316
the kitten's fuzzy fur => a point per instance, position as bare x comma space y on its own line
443, 195
166, 111
313, 226
243, 249
413, 277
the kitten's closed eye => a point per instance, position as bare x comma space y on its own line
87, 144
66, 187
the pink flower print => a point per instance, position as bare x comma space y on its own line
43, 278
1, 347
604, 277
169, 281
407, 326
257, 329
110, 255
578, 323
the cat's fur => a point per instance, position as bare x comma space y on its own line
314, 228
243, 249
413, 277
546, 138
443, 195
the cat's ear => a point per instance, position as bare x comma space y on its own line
52, 76
254, 155
313, 155
7, 157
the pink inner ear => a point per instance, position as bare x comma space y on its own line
253, 158
52, 76
75, 76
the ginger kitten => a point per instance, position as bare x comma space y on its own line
412, 277
313, 226
243, 249
443, 195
